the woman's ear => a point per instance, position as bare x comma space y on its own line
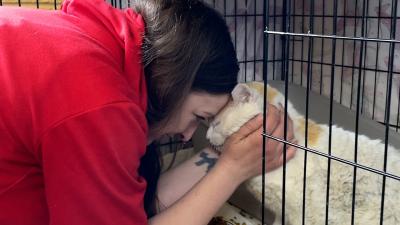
241, 93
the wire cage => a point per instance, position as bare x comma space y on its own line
347, 51
340, 44
39, 4
344, 50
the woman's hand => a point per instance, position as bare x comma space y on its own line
242, 152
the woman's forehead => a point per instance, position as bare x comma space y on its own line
209, 103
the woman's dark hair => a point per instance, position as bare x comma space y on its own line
150, 169
186, 47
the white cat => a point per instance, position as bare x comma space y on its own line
248, 102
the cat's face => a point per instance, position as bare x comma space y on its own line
243, 106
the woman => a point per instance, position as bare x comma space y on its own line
84, 92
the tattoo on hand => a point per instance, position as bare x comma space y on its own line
206, 160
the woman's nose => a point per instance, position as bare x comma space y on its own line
188, 133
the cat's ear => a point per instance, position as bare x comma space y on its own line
241, 93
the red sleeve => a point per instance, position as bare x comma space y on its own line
90, 165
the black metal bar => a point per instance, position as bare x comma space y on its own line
284, 39
349, 17
293, 41
302, 45
274, 44
245, 43
365, 58
309, 72
37, 4
225, 10
354, 54
388, 102
376, 59
255, 40
248, 61
343, 49
246, 15
265, 78
363, 46
390, 125
331, 110
333, 37
235, 8
270, 61
327, 16
286, 79
19, 3
398, 112
322, 47
338, 65
337, 159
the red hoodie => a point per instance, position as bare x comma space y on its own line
72, 115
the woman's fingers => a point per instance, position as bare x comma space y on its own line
276, 160
290, 130
244, 148
290, 152
273, 118
275, 148
281, 127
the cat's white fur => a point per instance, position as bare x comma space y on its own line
248, 102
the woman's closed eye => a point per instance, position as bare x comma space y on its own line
207, 120
200, 118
